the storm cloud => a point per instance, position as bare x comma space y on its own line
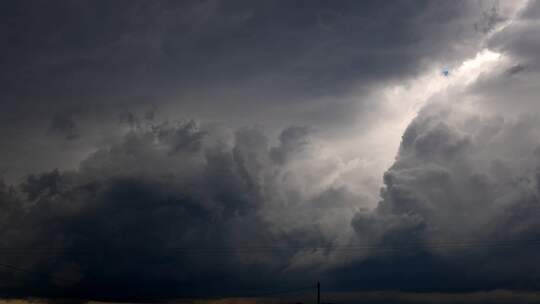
158, 150
167, 209
305, 63
460, 203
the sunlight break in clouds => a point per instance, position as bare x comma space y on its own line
401, 102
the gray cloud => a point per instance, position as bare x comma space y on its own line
461, 199
512, 88
214, 61
160, 208
64, 126
462, 195
174, 210
459, 205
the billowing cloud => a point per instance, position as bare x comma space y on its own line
306, 63
146, 206
179, 210
463, 196
460, 203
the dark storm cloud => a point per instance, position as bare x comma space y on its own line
81, 46
65, 126
459, 208
460, 203
214, 60
160, 209
170, 211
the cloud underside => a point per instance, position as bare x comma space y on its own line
173, 212
67, 78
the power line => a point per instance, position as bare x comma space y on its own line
277, 292
35, 272
260, 248
265, 293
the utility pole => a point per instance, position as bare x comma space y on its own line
318, 292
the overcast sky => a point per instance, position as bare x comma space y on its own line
170, 149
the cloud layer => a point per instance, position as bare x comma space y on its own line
460, 203
157, 209
68, 78
179, 211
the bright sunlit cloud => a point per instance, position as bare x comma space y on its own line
401, 103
